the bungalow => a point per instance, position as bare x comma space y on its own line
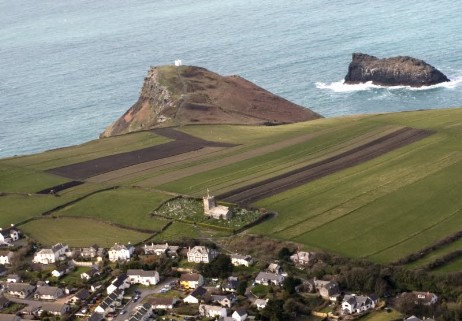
110, 302
163, 303
56, 308
237, 259
9, 317
6, 257
329, 290
19, 290
120, 252
195, 296
231, 284
356, 304
160, 249
302, 258
191, 280
143, 277
48, 293
201, 254
121, 282
62, 270
90, 274
212, 311
425, 298
13, 278
48, 256
143, 313
267, 278
260, 303
224, 300
239, 315
8, 235
79, 297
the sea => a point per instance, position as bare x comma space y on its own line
68, 69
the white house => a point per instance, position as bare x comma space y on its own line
239, 315
267, 278
19, 290
13, 278
215, 211
302, 258
48, 256
163, 303
110, 302
143, 277
357, 303
6, 257
121, 282
89, 274
8, 235
237, 259
212, 311
260, 303
143, 313
48, 293
120, 252
195, 296
160, 249
201, 254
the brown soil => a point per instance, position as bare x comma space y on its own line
184, 143
257, 191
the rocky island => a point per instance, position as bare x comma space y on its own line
396, 71
181, 95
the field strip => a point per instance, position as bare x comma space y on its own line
247, 175
355, 156
415, 234
168, 177
435, 254
363, 199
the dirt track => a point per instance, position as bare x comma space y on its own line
257, 191
183, 143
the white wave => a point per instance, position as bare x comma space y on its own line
340, 86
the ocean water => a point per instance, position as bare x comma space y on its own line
70, 68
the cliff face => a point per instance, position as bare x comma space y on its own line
173, 96
396, 71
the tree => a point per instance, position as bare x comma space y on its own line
274, 311
284, 254
221, 267
290, 283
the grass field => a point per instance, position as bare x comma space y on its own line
382, 316
124, 206
383, 209
79, 232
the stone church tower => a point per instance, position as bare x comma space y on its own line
209, 203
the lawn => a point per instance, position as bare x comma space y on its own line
125, 206
79, 232
381, 315
178, 231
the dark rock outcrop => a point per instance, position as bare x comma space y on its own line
174, 96
396, 71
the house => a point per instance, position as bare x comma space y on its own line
215, 211
79, 297
121, 282
329, 290
143, 313
260, 303
91, 252
274, 268
160, 249
239, 315
90, 274
31, 310
191, 280
48, 256
195, 296
120, 252
224, 300
231, 284
48, 293
357, 303
201, 254
212, 311
110, 302
9, 235
302, 258
13, 278
56, 308
19, 290
9, 317
237, 259
425, 298
62, 270
267, 278
143, 277
6, 257
163, 303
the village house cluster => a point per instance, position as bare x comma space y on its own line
109, 288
